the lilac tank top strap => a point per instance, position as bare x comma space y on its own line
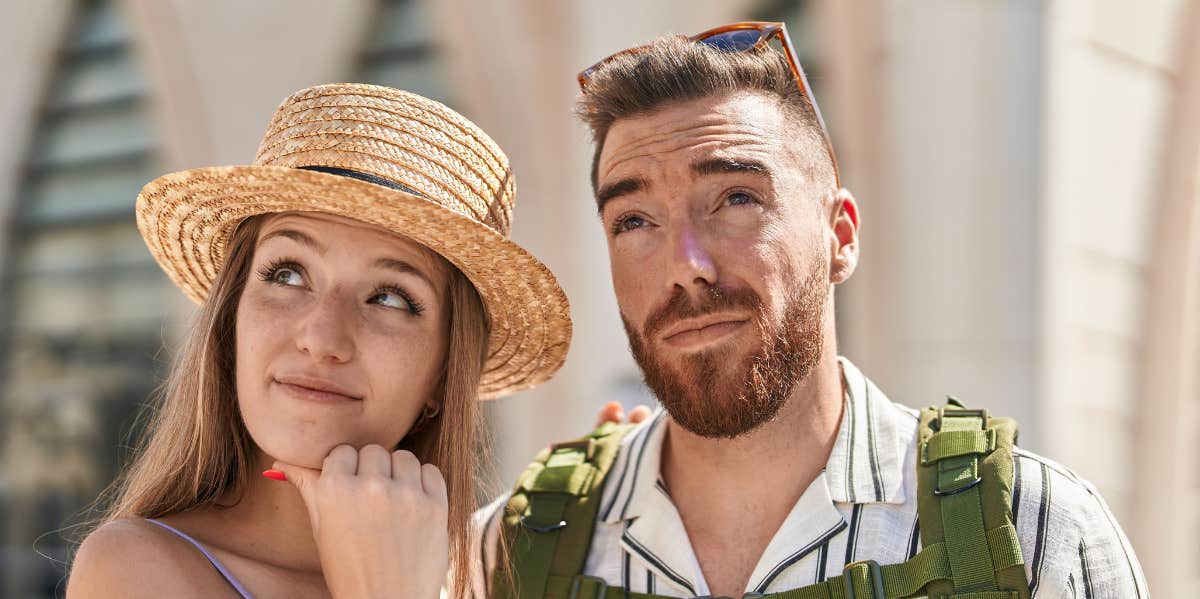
237, 586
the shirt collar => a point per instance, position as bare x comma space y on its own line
865, 466
867, 461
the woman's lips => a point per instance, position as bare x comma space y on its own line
314, 390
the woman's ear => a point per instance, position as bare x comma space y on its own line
844, 225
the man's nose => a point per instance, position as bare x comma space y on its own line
692, 265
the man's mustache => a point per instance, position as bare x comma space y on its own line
681, 305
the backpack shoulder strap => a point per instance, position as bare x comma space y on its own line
548, 522
964, 482
970, 548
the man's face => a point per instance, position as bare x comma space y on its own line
721, 245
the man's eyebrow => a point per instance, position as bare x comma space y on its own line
294, 235
614, 190
717, 166
404, 267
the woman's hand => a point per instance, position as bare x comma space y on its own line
379, 520
613, 412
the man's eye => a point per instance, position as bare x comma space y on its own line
739, 198
628, 223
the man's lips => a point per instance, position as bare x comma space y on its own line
702, 331
315, 389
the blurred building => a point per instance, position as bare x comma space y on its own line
1028, 172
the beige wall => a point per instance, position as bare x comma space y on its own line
941, 149
1068, 296
1166, 480
1108, 89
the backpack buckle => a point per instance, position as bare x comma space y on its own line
958, 412
529, 524
599, 584
938, 491
874, 575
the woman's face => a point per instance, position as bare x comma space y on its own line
341, 336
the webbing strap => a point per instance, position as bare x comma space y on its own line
962, 511
898, 581
955, 443
550, 517
964, 479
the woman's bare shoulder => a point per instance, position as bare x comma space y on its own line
133, 557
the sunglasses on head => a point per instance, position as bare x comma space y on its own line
744, 37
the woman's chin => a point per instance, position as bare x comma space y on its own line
308, 454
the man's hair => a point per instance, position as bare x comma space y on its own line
672, 68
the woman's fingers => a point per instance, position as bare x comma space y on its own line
639, 414
614, 412
406, 468
374, 460
611, 412
343, 459
433, 483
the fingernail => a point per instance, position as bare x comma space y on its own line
275, 475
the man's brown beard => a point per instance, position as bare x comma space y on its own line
714, 394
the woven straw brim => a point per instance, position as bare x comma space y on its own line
186, 218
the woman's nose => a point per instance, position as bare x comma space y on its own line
326, 332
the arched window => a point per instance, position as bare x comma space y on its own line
401, 52
84, 302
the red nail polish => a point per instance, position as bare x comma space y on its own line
274, 475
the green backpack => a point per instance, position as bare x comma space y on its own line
964, 481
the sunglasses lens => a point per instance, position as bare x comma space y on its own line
737, 40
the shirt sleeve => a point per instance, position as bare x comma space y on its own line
1105, 565
1073, 546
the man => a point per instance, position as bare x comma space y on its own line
774, 463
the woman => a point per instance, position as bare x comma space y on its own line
358, 294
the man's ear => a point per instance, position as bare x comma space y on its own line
844, 241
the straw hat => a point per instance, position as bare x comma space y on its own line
392, 159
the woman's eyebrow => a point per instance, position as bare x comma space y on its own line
403, 267
294, 235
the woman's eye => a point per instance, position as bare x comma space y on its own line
394, 298
287, 274
628, 223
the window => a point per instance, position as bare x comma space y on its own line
83, 303
400, 50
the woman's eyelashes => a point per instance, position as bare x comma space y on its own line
286, 272
283, 271
395, 297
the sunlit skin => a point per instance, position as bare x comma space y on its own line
717, 192
341, 337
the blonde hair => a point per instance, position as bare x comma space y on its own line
196, 450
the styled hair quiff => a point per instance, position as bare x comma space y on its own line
195, 451
673, 68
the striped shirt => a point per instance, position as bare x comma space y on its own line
862, 506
